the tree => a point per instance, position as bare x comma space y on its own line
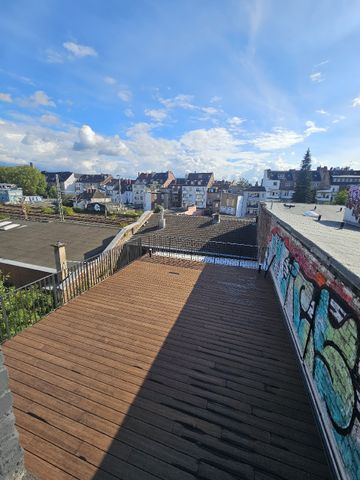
242, 183
341, 197
51, 192
303, 192
30, 179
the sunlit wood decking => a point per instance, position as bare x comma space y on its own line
169, 370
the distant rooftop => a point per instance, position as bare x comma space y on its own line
202, 228
341, 245
32, 242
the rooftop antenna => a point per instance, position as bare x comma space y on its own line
59, 199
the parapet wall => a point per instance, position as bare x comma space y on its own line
323, 314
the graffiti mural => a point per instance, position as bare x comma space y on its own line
325, 318
353, 204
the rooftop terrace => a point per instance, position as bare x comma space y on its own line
168, 369
341, 245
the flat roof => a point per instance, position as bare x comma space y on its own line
341, 245
166, 370
32, 242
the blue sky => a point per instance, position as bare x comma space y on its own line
232, 87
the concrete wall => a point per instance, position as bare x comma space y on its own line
11, 454
22, 273
323, 314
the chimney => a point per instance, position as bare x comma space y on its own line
216, 218
162, 221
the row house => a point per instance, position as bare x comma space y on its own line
67, 181
120, 190
91, 182
280, 185
251, 199
215, 193
147, 185
195, 189
90, 197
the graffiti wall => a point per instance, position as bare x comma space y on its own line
352, 213
324, 315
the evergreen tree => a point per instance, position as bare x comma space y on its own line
303, 193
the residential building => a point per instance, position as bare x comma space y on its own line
214, 194
67, 181
90, 196
280, 185
10, 193
120, 190
344, 177
91, 182
251, 200
195, 189
230, 204
149, 182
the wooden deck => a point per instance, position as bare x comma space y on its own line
165, 371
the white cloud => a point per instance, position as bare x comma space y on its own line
53, 56
5, 97
324, 62
80, 51
215, 99
339, 118
129, 113
124, 95
312, 128
209, 110
157, 115
110, 80
278, 139
356, 102
50, 119
235, 121
179, 101
322, 112
316, 77
89, 140
38, 99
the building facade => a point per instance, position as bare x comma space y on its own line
91, 182
10, 193
67, 181
251, 200
150, 183
195, 189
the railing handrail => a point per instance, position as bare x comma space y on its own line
22, 307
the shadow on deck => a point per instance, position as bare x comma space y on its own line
170, 370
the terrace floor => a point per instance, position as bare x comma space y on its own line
167, 370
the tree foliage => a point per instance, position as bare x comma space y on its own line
30, 179
341, 197
303, 192
242, 183
21, 308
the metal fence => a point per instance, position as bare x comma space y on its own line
195, 247
20, 308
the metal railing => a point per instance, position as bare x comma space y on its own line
195, 247
22, 307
